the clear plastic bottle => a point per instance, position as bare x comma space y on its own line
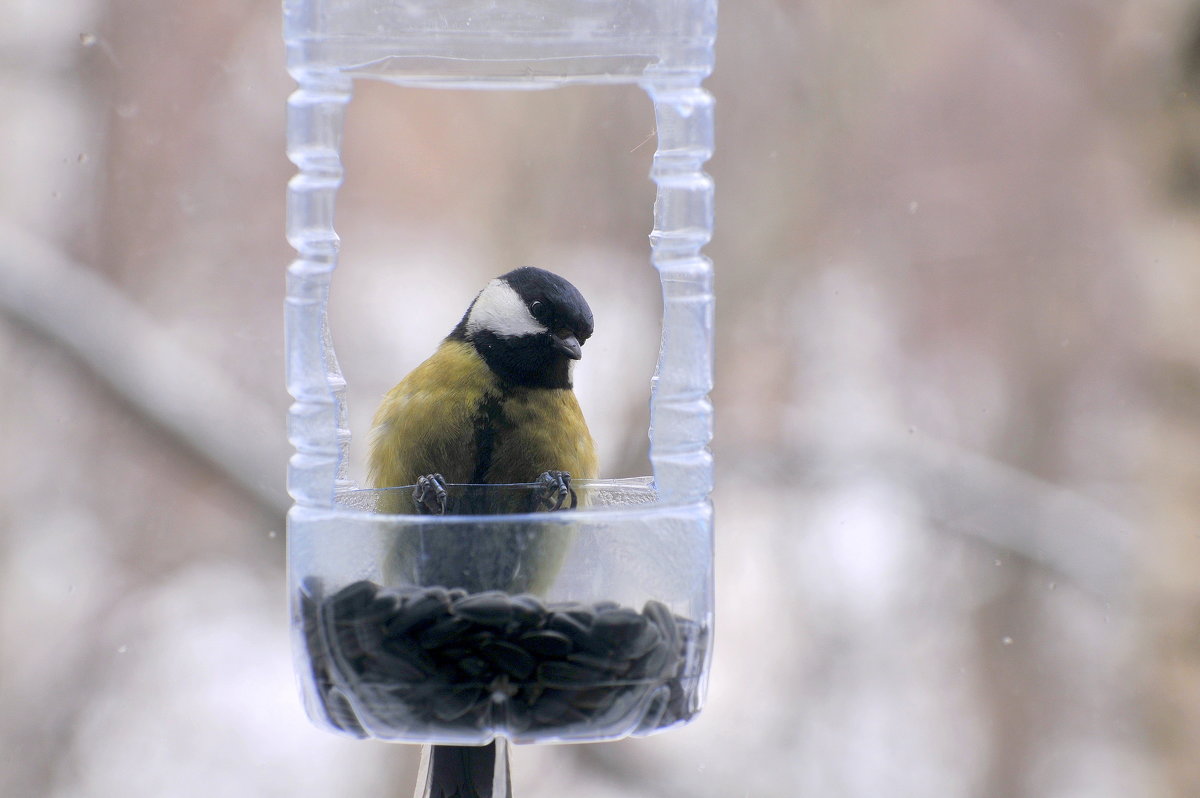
386, 653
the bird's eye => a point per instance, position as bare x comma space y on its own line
537, 308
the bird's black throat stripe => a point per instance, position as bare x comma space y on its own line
489, 422
526, 360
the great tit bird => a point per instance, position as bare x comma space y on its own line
493, 405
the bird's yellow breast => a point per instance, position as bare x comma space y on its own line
452, 416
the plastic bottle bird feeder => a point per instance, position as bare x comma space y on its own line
450, 647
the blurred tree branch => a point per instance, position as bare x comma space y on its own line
175, 389
970, 494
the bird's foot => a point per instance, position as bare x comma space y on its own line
553, 488
429, 494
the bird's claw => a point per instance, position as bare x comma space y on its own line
429, 494
553, 488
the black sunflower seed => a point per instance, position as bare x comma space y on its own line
567, 675
554, 707
411, 653
453, 653
647, 639
547, 643
369, 634
571, 628
396, 668
346, 640
655, 712
528, 609
454, 703
473, 667
444, 631
510, 658
486, 609
353, 598
658, 664
597, 699
618, 627
658, 613
582, 613
379, 609
418, 612
606, 665
418, 695
477, 640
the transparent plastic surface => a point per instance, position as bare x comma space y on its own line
640, 552
583, 624
522, 44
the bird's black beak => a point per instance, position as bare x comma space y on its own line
568, 344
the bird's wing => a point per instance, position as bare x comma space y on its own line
424, 424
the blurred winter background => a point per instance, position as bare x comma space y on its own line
958, 390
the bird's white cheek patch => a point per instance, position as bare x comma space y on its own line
500, 310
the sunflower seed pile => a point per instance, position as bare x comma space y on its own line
396, 660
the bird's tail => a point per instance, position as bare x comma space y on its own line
465, 771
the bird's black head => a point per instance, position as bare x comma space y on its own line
528, 325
